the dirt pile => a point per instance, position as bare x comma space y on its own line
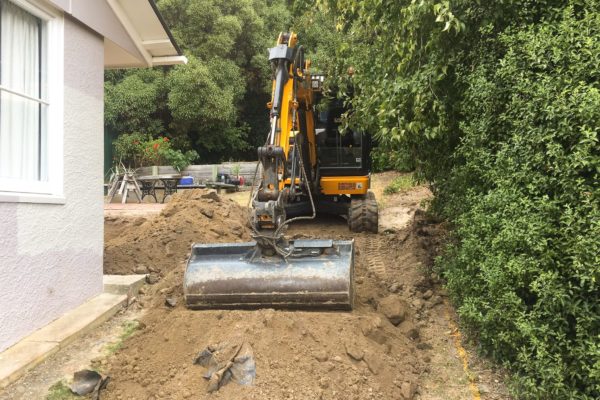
157, 245
375, 352
393, 344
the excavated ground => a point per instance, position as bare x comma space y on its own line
299, 355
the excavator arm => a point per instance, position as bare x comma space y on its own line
288, 157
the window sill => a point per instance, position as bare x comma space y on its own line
12, 197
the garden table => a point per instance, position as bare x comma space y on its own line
149, 185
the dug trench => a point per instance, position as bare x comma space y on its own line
393, 345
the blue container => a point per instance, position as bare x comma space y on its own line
186, 180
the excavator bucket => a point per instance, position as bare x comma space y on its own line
318, 275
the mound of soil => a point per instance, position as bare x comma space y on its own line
370, 353
299, 355
157, 245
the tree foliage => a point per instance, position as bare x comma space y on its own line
498, 104
216, 103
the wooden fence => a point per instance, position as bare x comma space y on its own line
207, 172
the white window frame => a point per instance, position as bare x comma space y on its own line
52, 190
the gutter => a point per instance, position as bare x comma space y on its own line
166, 28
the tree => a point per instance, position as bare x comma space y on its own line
216, 104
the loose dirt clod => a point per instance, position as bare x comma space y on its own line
394, 308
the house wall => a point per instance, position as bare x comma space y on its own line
51, 254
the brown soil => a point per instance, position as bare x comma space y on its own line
156, 245
299, 355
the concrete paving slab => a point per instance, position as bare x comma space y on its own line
123, 284
22, 356
81, 320
35, 348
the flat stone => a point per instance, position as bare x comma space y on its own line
354, 352
123, 284
374, 362
408, 390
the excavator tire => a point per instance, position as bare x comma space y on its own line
363, 215
355, 217
371, 213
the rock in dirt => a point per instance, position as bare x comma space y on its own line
418, 304
141, 270
207, 212
170, 302
424, 346
87, 381
218, 231
152, 278
394, 308
409, 330
354, 352
395, 287
374, 362
324, 382
408, 390
211, 195
427, 295
321, 356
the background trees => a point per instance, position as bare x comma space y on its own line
216, 104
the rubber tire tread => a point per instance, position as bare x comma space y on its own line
371, 214
355, 215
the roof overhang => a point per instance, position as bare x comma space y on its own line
149, 32
135, 34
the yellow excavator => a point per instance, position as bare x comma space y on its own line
307, 167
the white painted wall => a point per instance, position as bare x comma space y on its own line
51, 254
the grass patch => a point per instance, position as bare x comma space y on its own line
60, 391
129, 328
400, 184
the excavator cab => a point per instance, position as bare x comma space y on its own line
341, 151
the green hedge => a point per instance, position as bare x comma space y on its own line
499, 103
526, 266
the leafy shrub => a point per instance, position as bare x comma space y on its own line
526, 267
129, 149
499, 102
385, 159
140, 150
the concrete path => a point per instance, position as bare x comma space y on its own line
35, 348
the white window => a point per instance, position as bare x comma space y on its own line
31, 101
